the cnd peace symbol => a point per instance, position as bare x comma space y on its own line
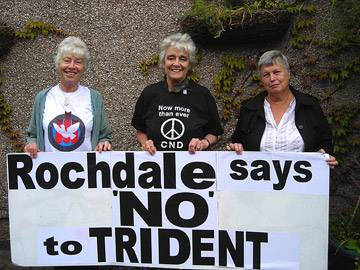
172, 129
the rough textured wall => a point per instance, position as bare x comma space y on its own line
120, 34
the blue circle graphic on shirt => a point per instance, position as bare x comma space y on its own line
66, 132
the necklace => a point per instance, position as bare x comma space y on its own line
66, 97
66, 101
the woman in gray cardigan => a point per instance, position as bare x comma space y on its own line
69, 116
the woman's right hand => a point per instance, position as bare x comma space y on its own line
237, 147
149, 146
32, 149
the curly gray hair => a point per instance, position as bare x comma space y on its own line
75, 46
179, 41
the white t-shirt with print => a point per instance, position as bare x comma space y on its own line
68, 120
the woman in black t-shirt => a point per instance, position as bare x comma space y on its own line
176, 113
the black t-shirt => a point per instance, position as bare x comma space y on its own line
171, 119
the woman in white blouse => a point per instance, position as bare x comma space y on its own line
281, 119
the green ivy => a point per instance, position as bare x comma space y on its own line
346, 227
144, 65
349, 10
345, 136
33, 28
5, 120
30, 31
300, 34
219, 16
302, 24
224, 81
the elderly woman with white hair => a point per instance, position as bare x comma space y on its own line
176, 114
69, 116
281, 118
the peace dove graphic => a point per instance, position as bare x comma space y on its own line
67, 132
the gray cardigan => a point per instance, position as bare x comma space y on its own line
101, 130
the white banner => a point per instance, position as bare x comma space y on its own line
207, 210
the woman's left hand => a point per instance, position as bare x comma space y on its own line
103, 146
331, 161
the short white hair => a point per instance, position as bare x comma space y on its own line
271, 57
179, 41
74, 46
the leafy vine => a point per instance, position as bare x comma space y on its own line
217, 17
225, 79
30, 31
33, 28
5, 120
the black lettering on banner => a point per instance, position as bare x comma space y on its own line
257, 238
188, 175
65, 175
262, 172
241, 173
93, 167
100, 234
154, 174
14, 172
65, 247
169, 170
201, 209
298, 167
281, 174
146, 246
128, 246
128, 167
198, 247
130, 202
164, 246
40, 177
226, 245
50, 245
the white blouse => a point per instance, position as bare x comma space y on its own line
284, 137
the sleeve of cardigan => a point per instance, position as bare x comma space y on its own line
105, 132
32, 128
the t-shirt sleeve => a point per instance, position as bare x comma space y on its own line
138, 120
213, 125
